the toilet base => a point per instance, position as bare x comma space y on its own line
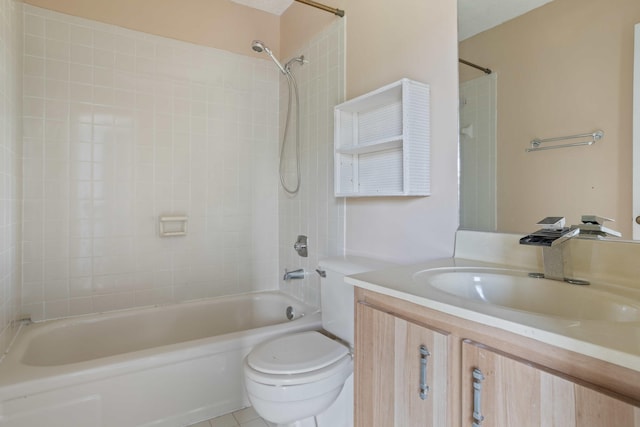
339, 414
307, 422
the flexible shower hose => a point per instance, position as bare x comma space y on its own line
291, 81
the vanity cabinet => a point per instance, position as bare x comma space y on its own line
506, 379
401, 372
499, 389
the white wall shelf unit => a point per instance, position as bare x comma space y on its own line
381, 142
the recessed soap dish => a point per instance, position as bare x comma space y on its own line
171, 226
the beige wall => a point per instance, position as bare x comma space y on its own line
205, 22
300, 23
385, 42
563, 69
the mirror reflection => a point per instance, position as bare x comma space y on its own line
560, 69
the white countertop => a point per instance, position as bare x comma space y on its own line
614, 342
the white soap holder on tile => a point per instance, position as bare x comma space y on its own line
171, 226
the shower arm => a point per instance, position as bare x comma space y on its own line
324, 7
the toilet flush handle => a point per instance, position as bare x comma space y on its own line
321, 272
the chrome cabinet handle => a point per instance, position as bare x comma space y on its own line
477, 393
424, 388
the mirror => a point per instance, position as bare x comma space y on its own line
563, 68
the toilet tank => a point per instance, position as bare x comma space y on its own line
336, 296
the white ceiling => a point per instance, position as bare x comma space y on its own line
276, 7
476, 16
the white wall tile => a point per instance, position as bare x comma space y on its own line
34, 45
11, 250
34, 66
79, 54
56, 49
119, 130
34, 25
56, 30
80, 35
314, 211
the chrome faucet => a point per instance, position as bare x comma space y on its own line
294, 274
556, 256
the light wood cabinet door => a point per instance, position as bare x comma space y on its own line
514, 392
388, 373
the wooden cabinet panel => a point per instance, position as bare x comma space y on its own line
594, 409
388, 372
374, 370
410, 408
508, 390
515, 392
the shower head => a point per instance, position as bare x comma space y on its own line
257, 46
260, 47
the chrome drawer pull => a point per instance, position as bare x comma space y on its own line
477, 392
424, 388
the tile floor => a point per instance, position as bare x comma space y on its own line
246, 417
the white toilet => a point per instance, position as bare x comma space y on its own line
305, 379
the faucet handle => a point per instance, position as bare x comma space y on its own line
544, 237
552, 223
595, 219
301, 246
592, 227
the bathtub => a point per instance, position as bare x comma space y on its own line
162, 366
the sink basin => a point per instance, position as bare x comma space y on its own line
515, 290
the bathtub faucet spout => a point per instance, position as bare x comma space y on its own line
294, 274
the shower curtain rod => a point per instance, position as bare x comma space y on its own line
471, 64
321, 6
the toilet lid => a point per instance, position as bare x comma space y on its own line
296, 354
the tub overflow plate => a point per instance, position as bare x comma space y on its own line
290, 313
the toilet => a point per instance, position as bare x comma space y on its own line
305, 379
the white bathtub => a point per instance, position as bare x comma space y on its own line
161, 366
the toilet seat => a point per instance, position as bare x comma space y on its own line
298, 359
296, 353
